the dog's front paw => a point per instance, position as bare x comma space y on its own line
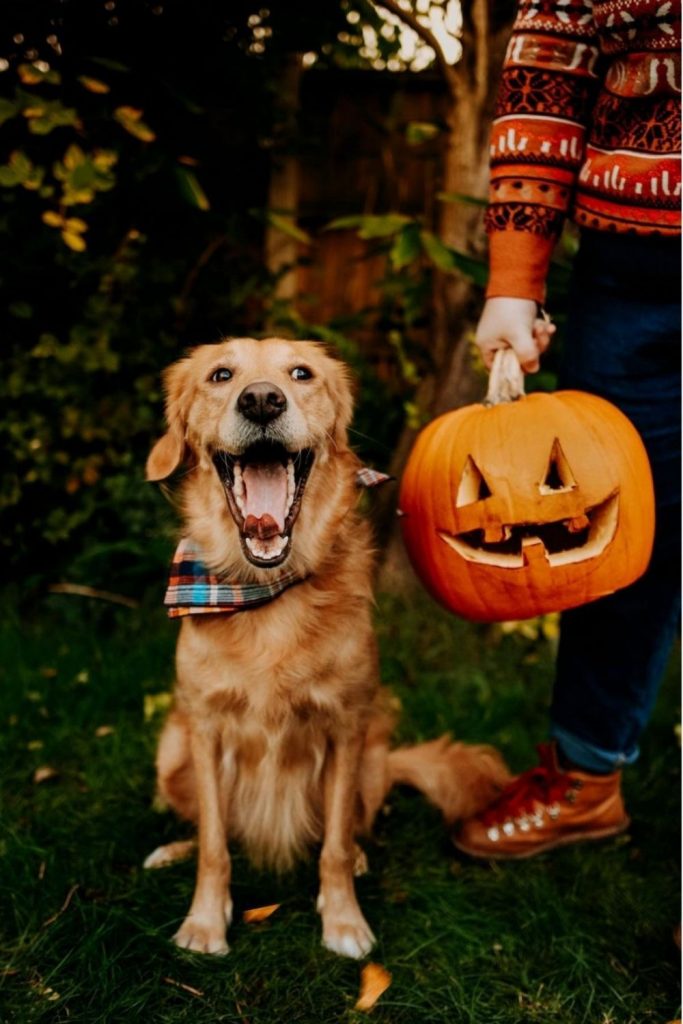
202, 935
348, 935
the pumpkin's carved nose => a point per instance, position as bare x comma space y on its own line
262, 402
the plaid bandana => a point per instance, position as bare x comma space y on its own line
193, 590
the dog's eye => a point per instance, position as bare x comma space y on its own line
221, 374
301, 373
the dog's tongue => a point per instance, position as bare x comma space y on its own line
265, 500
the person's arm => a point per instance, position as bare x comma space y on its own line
537, 141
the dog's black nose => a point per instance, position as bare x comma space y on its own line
262, 402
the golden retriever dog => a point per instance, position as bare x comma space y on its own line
279, 734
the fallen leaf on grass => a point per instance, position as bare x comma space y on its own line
104, 730
48, 672
34, 745
45, 991
156, 703
44, 773
257, 914
374, 980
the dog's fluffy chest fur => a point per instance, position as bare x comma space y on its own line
278, 716
325, 659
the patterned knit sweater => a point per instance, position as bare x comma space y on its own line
587, 123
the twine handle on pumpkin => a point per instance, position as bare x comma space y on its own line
506, 380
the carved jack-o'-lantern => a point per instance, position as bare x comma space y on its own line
519, 507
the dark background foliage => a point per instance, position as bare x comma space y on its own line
158, 249
139, 142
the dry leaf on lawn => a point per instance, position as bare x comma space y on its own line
374, 980
257, 914
44, 773
104, 730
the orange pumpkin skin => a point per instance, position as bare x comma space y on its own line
528, 507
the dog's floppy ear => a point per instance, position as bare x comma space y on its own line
170, 450
343, 395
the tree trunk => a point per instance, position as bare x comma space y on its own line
280, 249
456, 300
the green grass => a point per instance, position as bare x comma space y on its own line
584, 935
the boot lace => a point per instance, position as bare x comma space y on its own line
544, 784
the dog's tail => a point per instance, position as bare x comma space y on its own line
459, 778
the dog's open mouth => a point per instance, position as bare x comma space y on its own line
264, 486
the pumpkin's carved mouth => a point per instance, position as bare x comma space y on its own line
562, 542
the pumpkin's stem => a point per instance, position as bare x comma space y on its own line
506, 380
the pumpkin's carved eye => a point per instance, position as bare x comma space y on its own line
558, 476
572, 533
473, 486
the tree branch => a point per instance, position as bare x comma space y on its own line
482, 55
410, 18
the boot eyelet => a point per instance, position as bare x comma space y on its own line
493, 834
509, 828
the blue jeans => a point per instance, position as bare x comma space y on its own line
623, 343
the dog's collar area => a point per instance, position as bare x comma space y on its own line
194, 590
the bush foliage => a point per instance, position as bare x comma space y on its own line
133, 200
134, 176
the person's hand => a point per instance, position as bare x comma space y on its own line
515, 324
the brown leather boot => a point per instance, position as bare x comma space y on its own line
543, 808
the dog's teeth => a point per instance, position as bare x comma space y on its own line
291, 483
267, 549
238, 485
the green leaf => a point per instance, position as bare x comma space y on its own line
372, 225
406, 248
418, 132
20, 171
353, 220
31, 74
8, 109
440, 255
382, 225
192, 191
130, 118
451, 261
94, 85
21, 310
112, 65
460, 197
288, 227
84, 174
44, 116
472, 266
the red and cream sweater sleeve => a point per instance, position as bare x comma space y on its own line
537, 142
